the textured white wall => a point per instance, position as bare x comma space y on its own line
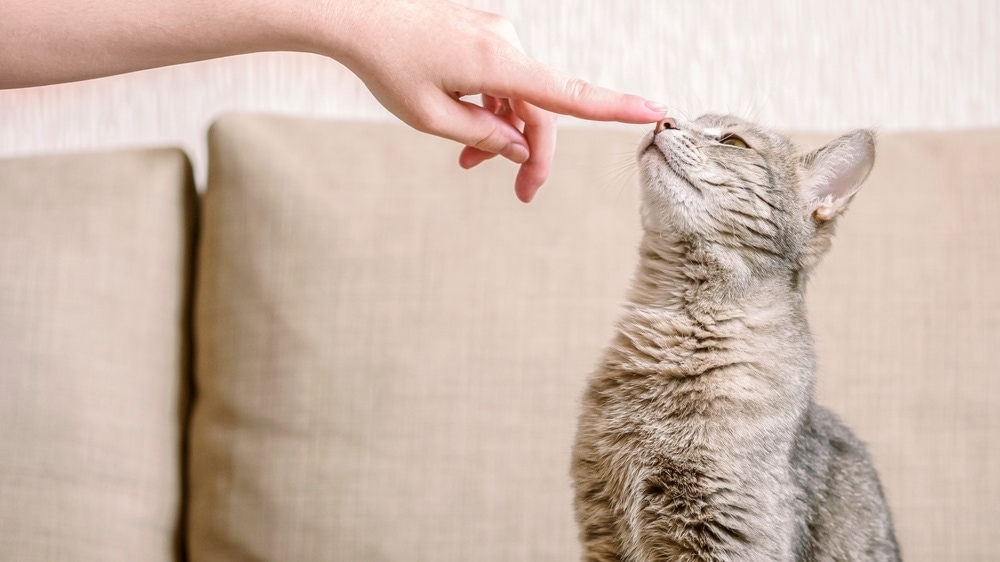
896, 64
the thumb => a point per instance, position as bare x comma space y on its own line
544, 87
471, 125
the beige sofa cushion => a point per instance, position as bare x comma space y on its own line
392, 350
906, 311
94, 252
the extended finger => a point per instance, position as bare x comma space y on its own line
539, 85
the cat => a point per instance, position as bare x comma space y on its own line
699, 438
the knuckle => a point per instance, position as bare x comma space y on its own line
498, 23
491, 141
502, 28
577, 89
506, 28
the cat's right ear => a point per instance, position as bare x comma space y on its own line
835, 172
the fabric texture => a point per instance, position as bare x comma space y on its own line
95, 252
391, 350
906, 315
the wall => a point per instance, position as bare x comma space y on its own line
896, 64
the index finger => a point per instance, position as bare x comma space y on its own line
539, 85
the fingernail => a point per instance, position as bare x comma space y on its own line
657, 107
517, 153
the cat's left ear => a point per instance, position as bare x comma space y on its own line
835, 172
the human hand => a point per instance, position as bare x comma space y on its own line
420, 58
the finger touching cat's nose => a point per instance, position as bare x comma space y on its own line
665, 123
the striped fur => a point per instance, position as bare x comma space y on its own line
699, 438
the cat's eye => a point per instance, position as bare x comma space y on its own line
733, 140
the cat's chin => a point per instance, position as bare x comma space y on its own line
651, 157
644, 144
660, 174
672, 205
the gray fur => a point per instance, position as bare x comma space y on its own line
699, 438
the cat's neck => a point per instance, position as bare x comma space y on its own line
687, 315
678, 278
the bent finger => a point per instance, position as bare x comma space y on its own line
471, 156
474, 126
540, 130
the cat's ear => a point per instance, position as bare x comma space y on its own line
835, 172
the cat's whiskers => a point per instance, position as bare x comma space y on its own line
622, 171
620, 175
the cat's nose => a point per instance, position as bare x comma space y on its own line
665, 123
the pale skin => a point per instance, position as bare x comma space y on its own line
419, 58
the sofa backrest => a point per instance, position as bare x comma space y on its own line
95, 272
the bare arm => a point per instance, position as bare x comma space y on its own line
51, 41
418, 57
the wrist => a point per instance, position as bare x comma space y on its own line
338, 28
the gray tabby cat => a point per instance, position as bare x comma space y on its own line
699, 438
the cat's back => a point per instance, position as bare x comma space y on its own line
846, 515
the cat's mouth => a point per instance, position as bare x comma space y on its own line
658, 158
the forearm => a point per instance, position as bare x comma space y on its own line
50, 41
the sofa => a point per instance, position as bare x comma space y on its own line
347, 348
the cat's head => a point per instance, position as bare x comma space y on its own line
747, 195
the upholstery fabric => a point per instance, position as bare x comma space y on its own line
391, 350
906, 314
95, 252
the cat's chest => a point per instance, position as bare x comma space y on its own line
655, 408
693, 448
737, 408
